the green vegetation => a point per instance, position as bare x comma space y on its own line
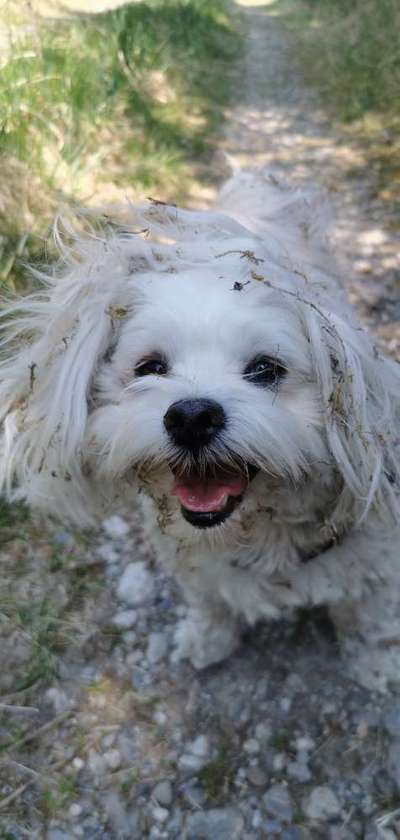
216, 778
352, 48
280, 740
54, 800
99, 107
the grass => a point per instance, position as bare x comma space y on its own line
97, 107
350, 50
216, 777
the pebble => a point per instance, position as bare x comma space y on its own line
160, 814
163, 793
115, 527
112, 759
277, 803
57, 834
78, 763
107, 552
272, 827
58, 699
305, 744
251, 746
196, 755
262, 732
200, 746
191, 763
299, 771
157, 647
75, 810
160, 717
125, 619
257, 776
322, 804
279, 762
136, 584
222, 823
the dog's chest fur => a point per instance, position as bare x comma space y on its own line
276, 559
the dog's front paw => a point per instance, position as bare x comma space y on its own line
203, 640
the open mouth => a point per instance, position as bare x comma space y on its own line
208, 499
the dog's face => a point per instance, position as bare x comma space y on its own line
193, 357
210, 383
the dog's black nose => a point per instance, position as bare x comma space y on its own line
194, 423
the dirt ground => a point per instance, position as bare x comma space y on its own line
100, 735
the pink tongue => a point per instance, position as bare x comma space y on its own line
206, 496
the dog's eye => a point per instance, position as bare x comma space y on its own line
155, 366
265, 371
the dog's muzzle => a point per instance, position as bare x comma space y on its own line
207, 496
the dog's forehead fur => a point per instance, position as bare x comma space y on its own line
202, 312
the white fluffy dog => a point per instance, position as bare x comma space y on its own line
209, 361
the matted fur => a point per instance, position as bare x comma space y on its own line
209, 290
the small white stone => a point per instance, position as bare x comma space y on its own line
322, 804
160, 814
156, 648
200, 746
262, 732
136, 584
285, 704
191, 763
77, 763
163, 793
305, 744
160, 717
251, 746
125, 619
116, 527
279, 762
112, 759
75, 810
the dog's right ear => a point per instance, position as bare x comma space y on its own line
51, 344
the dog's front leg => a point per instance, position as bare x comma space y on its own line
207, 635
369, 632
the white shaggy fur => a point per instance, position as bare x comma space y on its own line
211, 290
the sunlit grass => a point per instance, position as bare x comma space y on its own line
99, 106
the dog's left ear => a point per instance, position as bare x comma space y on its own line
360, 393
51, 344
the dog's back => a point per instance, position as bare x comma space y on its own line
297, 220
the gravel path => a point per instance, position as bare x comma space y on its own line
123, 744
